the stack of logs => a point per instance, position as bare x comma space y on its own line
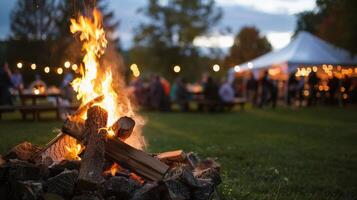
31, 172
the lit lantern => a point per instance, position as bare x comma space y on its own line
33, 66
59, 70
216, 68
19, 65
67, 64
177, 69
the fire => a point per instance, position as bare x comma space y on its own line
115, 168
73, 151
96, 80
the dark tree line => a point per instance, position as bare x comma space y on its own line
40, 30
334, 21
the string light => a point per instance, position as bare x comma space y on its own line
47, 70
33, 66
133, 67
74, 67
177, 69
237, 68
19, 65
67, 64
216, 68
250, 65
59, 70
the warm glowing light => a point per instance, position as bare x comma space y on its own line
33, 66
136, 73
74, 67
216, 68
177, 69
73, 151
36, 91
134, 67
59, 70
67, 64
250, 65
306, 93
19, 65
237, 68
314, 69
47, 70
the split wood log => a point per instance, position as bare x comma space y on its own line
63, 183
24, 151
81, 110
56, 148
123, 127
136, 160
175, 156
90, 173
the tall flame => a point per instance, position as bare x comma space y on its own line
96, 80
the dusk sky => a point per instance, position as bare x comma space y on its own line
275, 18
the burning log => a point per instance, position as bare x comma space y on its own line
90, 173
123, 127
81, 110
116, 150
24, 151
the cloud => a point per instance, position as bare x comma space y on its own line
272, 6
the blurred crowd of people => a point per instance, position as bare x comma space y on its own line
11, 82
209, 94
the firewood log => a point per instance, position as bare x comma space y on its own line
123, 127
81, 110
90, 173
176, 156
24, 151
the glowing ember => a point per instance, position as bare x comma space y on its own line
73, 151
96, 80
115, 168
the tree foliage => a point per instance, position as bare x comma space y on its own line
167, 38
248, 44
33, 20
333, 21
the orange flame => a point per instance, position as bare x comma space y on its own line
73, 151
96, 80
115, 167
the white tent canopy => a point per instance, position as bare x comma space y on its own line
305, 49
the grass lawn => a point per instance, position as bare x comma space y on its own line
308, 153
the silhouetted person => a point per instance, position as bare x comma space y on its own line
5, 84
347, 87
156, 93
17, 80
181, 94
226, 94
292, 88
252, 89
300, 90
66, 87
313, 85
274, 93
333, 85
266, 88
210, 93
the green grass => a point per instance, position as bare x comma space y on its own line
308, 153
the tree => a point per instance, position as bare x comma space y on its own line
333, 21
33, 20
248, 44
167, 39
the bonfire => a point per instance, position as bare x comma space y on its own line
99, 152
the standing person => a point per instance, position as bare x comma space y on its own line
156, 93
333, 85
292, 88
17, 80
182, 94
252, 89
210, 93
5, 84
166, 104
266, 88
300, 90
66, 86
139, 91
274, 93
226, 93
313, 86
